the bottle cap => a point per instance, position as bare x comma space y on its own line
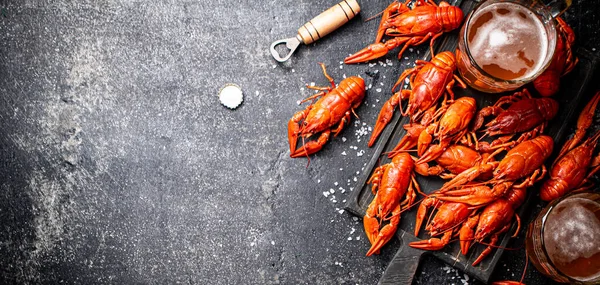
231, 95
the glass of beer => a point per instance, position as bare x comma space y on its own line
505, 44
563, 242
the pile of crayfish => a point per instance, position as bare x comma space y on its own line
489, 156
479, 200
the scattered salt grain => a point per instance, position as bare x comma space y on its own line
274, 66
331, 190
293, 70
343, 152
360, 153
326, 193
406, 57
352, 230
344, 139
335, 183
358, 238
341, 67
341, 211
256, 93
355, 218
298, 102
349, 238
378, 89
344, 76
355, 179
341, 169
319, 181
312, 84
272, 242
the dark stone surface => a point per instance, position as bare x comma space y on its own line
119, 165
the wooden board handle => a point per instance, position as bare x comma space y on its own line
328, 21
403, 267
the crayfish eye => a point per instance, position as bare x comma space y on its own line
305, 123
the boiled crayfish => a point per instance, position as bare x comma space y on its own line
453, 161
329, 114
392, 182
446, 221
575, 165
451, 127
492, 221
524, 114
410, 27
429, 81
524, 163
563, 61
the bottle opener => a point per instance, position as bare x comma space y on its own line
318, 27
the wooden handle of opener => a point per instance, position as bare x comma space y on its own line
328, 21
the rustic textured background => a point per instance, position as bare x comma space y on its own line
119, 165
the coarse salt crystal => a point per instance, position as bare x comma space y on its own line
326, 193
349, 238
341, 211
272, 242
378, 89
335, 183
344, 139
343, 152
358, 238
331, 191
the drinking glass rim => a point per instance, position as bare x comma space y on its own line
551, 47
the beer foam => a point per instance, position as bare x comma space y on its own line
507, 40
573, 232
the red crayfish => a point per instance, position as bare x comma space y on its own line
391, 182
525, 161
492, 221
410, 27
454, 160
429, 81
575, 164
524, 114
563, 61
452, 126
329, 114
447, 220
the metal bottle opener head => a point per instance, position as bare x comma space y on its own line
291, 43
